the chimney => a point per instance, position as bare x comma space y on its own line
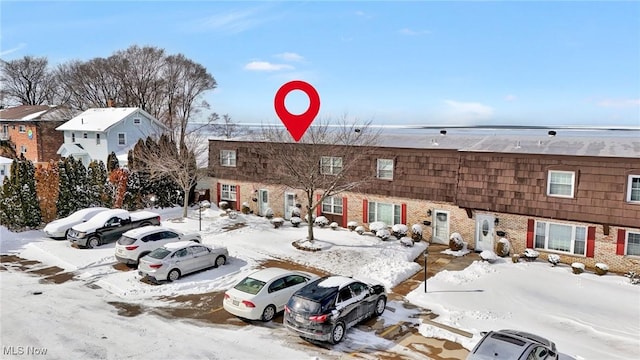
110, 103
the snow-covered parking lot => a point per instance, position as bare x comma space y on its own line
588, 316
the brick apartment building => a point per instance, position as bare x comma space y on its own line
575, 194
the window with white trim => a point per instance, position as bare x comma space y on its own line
633, 189
567, 238
228, 158
632, 244
561, 183
390, 214
85, 136
97, 139
136, 121
73, 137
332, 205
385, 169
23, 149
228, 192
22, 129
122, 139
330, 165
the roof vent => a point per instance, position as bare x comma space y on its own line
434, 142
443, 132
517, 145
552, 133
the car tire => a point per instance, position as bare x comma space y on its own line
337, 333
269, 313
93, 242
173, 275
220, 260
380, 305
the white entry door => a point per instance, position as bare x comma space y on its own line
484, 232
440, 227
263, 201
289, 204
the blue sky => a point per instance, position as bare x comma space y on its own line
419, 62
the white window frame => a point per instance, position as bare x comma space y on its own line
549, 183
373, 216
124, 139
97, 139
630, 189
332, 205
23, 149
228, 158
545, 237
136, 121
85, 136
384, 169
22, 129
329, 166
626, 243
228, 192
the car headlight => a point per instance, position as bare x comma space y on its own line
80, 235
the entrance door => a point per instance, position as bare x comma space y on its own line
440, 227
263, 201
289, 204
484, 232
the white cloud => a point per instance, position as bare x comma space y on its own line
410, 32
12, 50
235, 21
510, 97
266, 66
363, 14
290, 56
468, 111
619, 103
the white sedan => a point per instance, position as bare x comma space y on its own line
264, 293
57, 229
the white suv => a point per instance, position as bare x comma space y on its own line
138, 242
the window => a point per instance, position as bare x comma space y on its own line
385, 169
633, 244
23, 149
122, 139
560, 183
633, 189
97, 139
73, 137
332, 205
387, 213
22, 129
561, 237
2, 170
330, 165
277, 285
228, 158
228, 192
85, 136
136, 121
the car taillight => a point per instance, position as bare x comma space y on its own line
286, 309
248, 304
318, 318
158, 218
132, 247
226, 296
155, 266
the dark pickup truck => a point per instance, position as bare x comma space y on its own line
107, 226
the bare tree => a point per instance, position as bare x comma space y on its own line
26, 81
226, 127
322, 164
89, 84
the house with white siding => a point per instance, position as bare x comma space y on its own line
97, 132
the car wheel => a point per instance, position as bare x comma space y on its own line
337, 334
380, 305
173, 275
93, 242
268, 313
220, 260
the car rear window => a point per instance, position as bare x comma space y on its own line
300, 304
159, 253
250, 285
501, 347
125, 240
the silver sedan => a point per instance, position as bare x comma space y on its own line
174, 260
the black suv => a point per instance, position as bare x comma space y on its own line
324, 309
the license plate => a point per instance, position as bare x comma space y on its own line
299, 318
236, 302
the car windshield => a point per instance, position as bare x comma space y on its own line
159, 253
250, 285
125, 240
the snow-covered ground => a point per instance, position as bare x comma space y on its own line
588, 316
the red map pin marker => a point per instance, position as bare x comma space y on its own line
297, 125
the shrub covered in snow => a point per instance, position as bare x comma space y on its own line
602, 269
383, 234
321, 221
488, 256
360, 230
268, 213
352, 225
578, 268
277, 222
503, 248
245, 209
223, 205
634, 277
530, 255
416, 232
295, 212
377, 225
554, 259
405, 241
295, 221
232, 214
333, 226
456, 243
399, 230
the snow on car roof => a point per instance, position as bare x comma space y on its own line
179, 245
103, 216
269, 273
145, 230
335, 281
